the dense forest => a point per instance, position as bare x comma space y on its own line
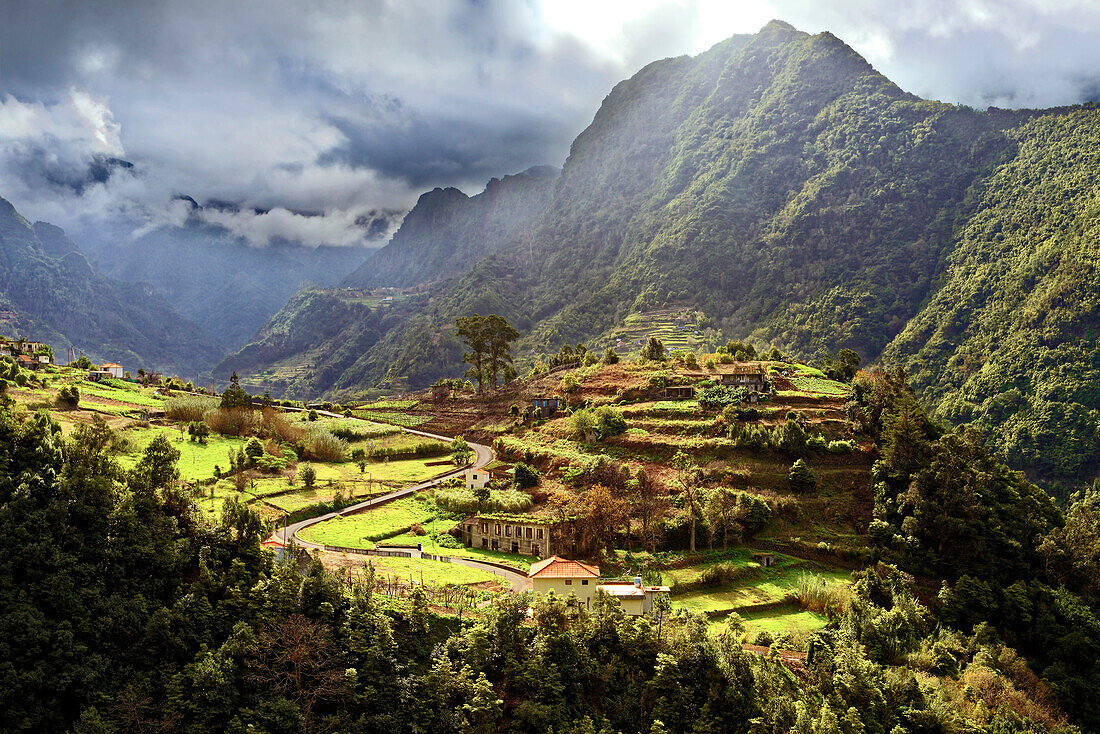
123, 611
790, 192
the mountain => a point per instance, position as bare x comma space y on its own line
797, 197
1010, 341
50, 292
447, 230
216, 279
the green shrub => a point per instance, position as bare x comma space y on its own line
609, 421
719, 574
198, 431
189, 407
526, 476
583, 424
841, 447
253, 449
321, 445
271, 464
802, 477
461, 500
444, 540
719, 396
69, 396
569, 383
308, 476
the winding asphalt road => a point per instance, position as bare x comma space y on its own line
482, 456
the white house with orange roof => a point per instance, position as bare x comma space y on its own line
567, 577
115, 369
633, 596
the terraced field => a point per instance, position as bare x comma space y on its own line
676, 328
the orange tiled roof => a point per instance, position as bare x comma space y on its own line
111, 364
562, 568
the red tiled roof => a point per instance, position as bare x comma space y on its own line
562, 568
110, 364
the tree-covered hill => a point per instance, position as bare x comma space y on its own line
1010, 339
447, 231
790, 192
52, 294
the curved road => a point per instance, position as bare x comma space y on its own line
482, 456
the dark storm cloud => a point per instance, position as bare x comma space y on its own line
313, 118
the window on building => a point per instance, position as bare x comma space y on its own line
539, 534
469, 528
584, 582
508, 530
569, 582
498, 528
485, 528
529, 533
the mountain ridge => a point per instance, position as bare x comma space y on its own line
778, 183
53, 294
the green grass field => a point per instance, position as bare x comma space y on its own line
196, 460
431, 572
395, 418
762, 586
784, 620
131, 395
355, 531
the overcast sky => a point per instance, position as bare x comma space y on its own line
309, 118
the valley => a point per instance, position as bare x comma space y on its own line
772, 409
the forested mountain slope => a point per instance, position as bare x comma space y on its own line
798, 197
448, 231
51, 293
1011, 339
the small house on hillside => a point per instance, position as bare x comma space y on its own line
529, 536
476, 478
292, 554
29, 363
547, 405
634, 597
679, 392
764, 559
565, 578
751, 376
115, 370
